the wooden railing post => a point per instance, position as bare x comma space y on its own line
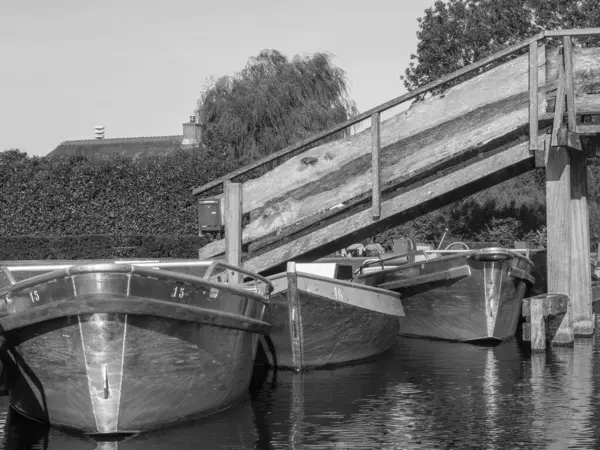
233, 227
533, 97
569, 88
376, 144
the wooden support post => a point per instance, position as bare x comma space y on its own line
295, 319
533, 97
232, 213
580, 290
580, 283
558, 198
376, 146
538, 325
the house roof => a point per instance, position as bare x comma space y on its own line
134, 147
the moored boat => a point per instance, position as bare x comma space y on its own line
468, 295
322, 321
118, 348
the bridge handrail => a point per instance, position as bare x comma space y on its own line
395, 102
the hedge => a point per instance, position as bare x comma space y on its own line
99, 247
83, 195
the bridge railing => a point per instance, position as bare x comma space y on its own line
374, 114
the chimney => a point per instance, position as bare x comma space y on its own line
192, 136
99, 132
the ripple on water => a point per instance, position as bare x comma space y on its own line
423, 394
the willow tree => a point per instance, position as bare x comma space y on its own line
272, 103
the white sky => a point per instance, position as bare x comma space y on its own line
137, 67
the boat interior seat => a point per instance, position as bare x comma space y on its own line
333, 270
328, 270
399, 247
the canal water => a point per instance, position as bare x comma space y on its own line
421, 395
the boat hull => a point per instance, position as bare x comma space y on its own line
115, 358
158, 371
325, 326
479, 299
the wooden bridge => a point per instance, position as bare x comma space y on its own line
519, 112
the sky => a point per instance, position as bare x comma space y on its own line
138, 67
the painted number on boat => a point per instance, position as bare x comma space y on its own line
179, 292
35, 296
338, 293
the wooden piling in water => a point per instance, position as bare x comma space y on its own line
544, 315
566, 210
538, 325
580, 291
558, 196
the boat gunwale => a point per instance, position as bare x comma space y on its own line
460, 254
351, 284
165, 275
392, 295
140, 306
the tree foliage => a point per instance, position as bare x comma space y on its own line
272, 103
455, 33
99, 247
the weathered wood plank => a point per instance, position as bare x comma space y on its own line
585, 104
487, 127
573, 32
406, 183
471, 178
554, 310
553, 305
378, 109
338, 171
586, 69
589, 129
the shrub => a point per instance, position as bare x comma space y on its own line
99, 247
82, 195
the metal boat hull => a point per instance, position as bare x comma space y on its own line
330, 321
469, 297
117, 352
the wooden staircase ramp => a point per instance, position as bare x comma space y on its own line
476, 134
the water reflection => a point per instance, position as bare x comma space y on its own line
422, 395
563, 385
425, 394
231, 429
